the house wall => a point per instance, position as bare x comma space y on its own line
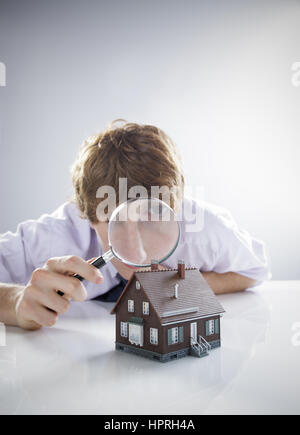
152, 321
201, 330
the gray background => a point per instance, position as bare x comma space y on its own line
215, 75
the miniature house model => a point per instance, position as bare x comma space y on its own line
167, 314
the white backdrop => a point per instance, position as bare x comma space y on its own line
215, 75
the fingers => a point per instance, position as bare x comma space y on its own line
50, 282
91, 260
40, 303
32, 315
51, 300
75, 265
40, 315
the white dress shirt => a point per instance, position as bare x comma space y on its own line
215, 243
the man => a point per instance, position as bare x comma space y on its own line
41, 258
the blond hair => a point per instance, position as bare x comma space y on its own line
144, 154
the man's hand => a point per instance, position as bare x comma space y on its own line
228, 282
39, 304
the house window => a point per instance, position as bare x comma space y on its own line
212, 327
173, 336
153, 336
145, 307
136, 334
130, 306
181, 334
124, 329
176, 335
137, 285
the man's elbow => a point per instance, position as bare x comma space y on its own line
245, 282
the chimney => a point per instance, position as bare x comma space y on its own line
181, 269
154, 265
176, 291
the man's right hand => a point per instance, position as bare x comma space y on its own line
39, 304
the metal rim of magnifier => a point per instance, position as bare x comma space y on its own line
116, 211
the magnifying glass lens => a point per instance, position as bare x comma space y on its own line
143, 230
140, 231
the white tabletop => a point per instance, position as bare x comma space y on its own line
73, 367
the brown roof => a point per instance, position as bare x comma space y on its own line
195, 298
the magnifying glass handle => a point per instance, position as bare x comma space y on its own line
98, 263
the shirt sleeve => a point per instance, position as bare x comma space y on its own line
237, 251
55, 235
52, 235
23, 251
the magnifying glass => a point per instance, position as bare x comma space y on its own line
139, 231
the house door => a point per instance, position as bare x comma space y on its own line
193, 331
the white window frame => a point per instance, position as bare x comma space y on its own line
137, 285
124, 329
146, 308
154, 336
211, 327
175, 335
130, 306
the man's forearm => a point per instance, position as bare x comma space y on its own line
9, 295
227, 282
